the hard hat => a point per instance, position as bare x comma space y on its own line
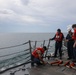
69, 27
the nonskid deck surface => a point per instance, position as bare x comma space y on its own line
52, 70
45, 70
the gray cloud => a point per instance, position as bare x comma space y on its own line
39, 12
4, 12
25, 2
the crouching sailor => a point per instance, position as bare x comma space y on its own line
37, 56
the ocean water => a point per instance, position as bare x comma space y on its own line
18, 54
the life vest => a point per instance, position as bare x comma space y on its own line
74, 35
35, 54
59, 37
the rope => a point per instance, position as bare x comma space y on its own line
14, 53
13, 46
40, 41
19, 45
20, 60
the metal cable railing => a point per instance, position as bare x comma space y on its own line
13, 46
12, 54
24, 50
26, 53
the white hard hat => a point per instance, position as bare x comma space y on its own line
69, 27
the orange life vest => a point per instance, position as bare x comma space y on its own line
35, 54
59, 37
74, 35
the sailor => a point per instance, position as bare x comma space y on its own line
37, 56
74, 38
70, 43
58, 44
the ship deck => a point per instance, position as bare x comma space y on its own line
42, 70
47, 69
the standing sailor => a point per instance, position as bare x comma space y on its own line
58, 44
70, 43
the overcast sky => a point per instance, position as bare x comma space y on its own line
36, 15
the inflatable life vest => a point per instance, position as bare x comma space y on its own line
74, 35
59, 37
35, 54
